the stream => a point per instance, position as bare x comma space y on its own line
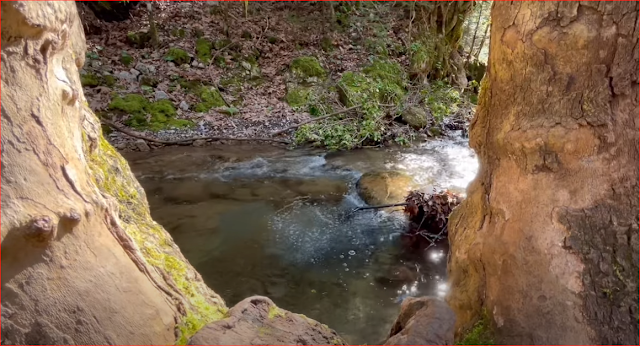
260, 220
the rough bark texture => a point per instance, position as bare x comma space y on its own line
423, 321
82, 260
547, 240
258, 321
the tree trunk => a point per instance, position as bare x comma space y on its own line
82, 260
475, 33
434, 51
546, 244
482, 41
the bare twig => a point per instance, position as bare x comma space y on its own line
380, 206
186, 141
315, 119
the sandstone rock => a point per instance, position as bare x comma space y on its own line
416, 117
423, 321
257, 321
74, 267
384, 187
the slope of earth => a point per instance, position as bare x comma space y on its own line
220, 69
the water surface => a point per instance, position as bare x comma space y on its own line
258, 220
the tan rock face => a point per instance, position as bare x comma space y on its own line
377, 188
257, 321
82, 260
547, 241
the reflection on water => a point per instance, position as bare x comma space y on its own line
279, 223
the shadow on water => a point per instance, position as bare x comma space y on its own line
278, 223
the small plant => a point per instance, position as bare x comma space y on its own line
203, 50
306, 67
125, 58
442, 99
480, 334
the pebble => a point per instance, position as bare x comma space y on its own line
246, 65
184, 106
134, 72
160, 95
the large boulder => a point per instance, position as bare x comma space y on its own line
423, 321
415, 117
387, 187
258, 321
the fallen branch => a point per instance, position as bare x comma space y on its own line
185, 141
314, 120
381, 206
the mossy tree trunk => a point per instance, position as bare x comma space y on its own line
547, 241
435, 41
82, 260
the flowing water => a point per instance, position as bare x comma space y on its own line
257, 220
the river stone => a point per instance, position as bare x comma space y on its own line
423, 321
258, 321
160, 95
416, 117
376, 188
142, 145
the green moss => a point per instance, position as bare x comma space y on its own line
376, 47
126, 59
274, 312
109, 80
138, 39
298, 97
148, 115
354, 88
307, 67
390, 80
133, 104
480, 334
111, 174
203, 50
210, 98
89, 80
273, 39
442, 99
178, 56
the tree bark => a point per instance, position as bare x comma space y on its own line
482, 41
475, 33
82, 260
547, 241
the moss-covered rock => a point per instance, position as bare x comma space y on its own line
178, 56
211, 98
89, 80
203, 50
354, 88
442, 100
415, 117
298, 97
382, 81
148, 115
307, 67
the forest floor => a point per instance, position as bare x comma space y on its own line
248, 64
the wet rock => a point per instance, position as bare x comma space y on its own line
257, 321
141, 145
199, 143
416, 117
184, 106
388, 187
160, 95
423, 321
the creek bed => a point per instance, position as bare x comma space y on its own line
258, 220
